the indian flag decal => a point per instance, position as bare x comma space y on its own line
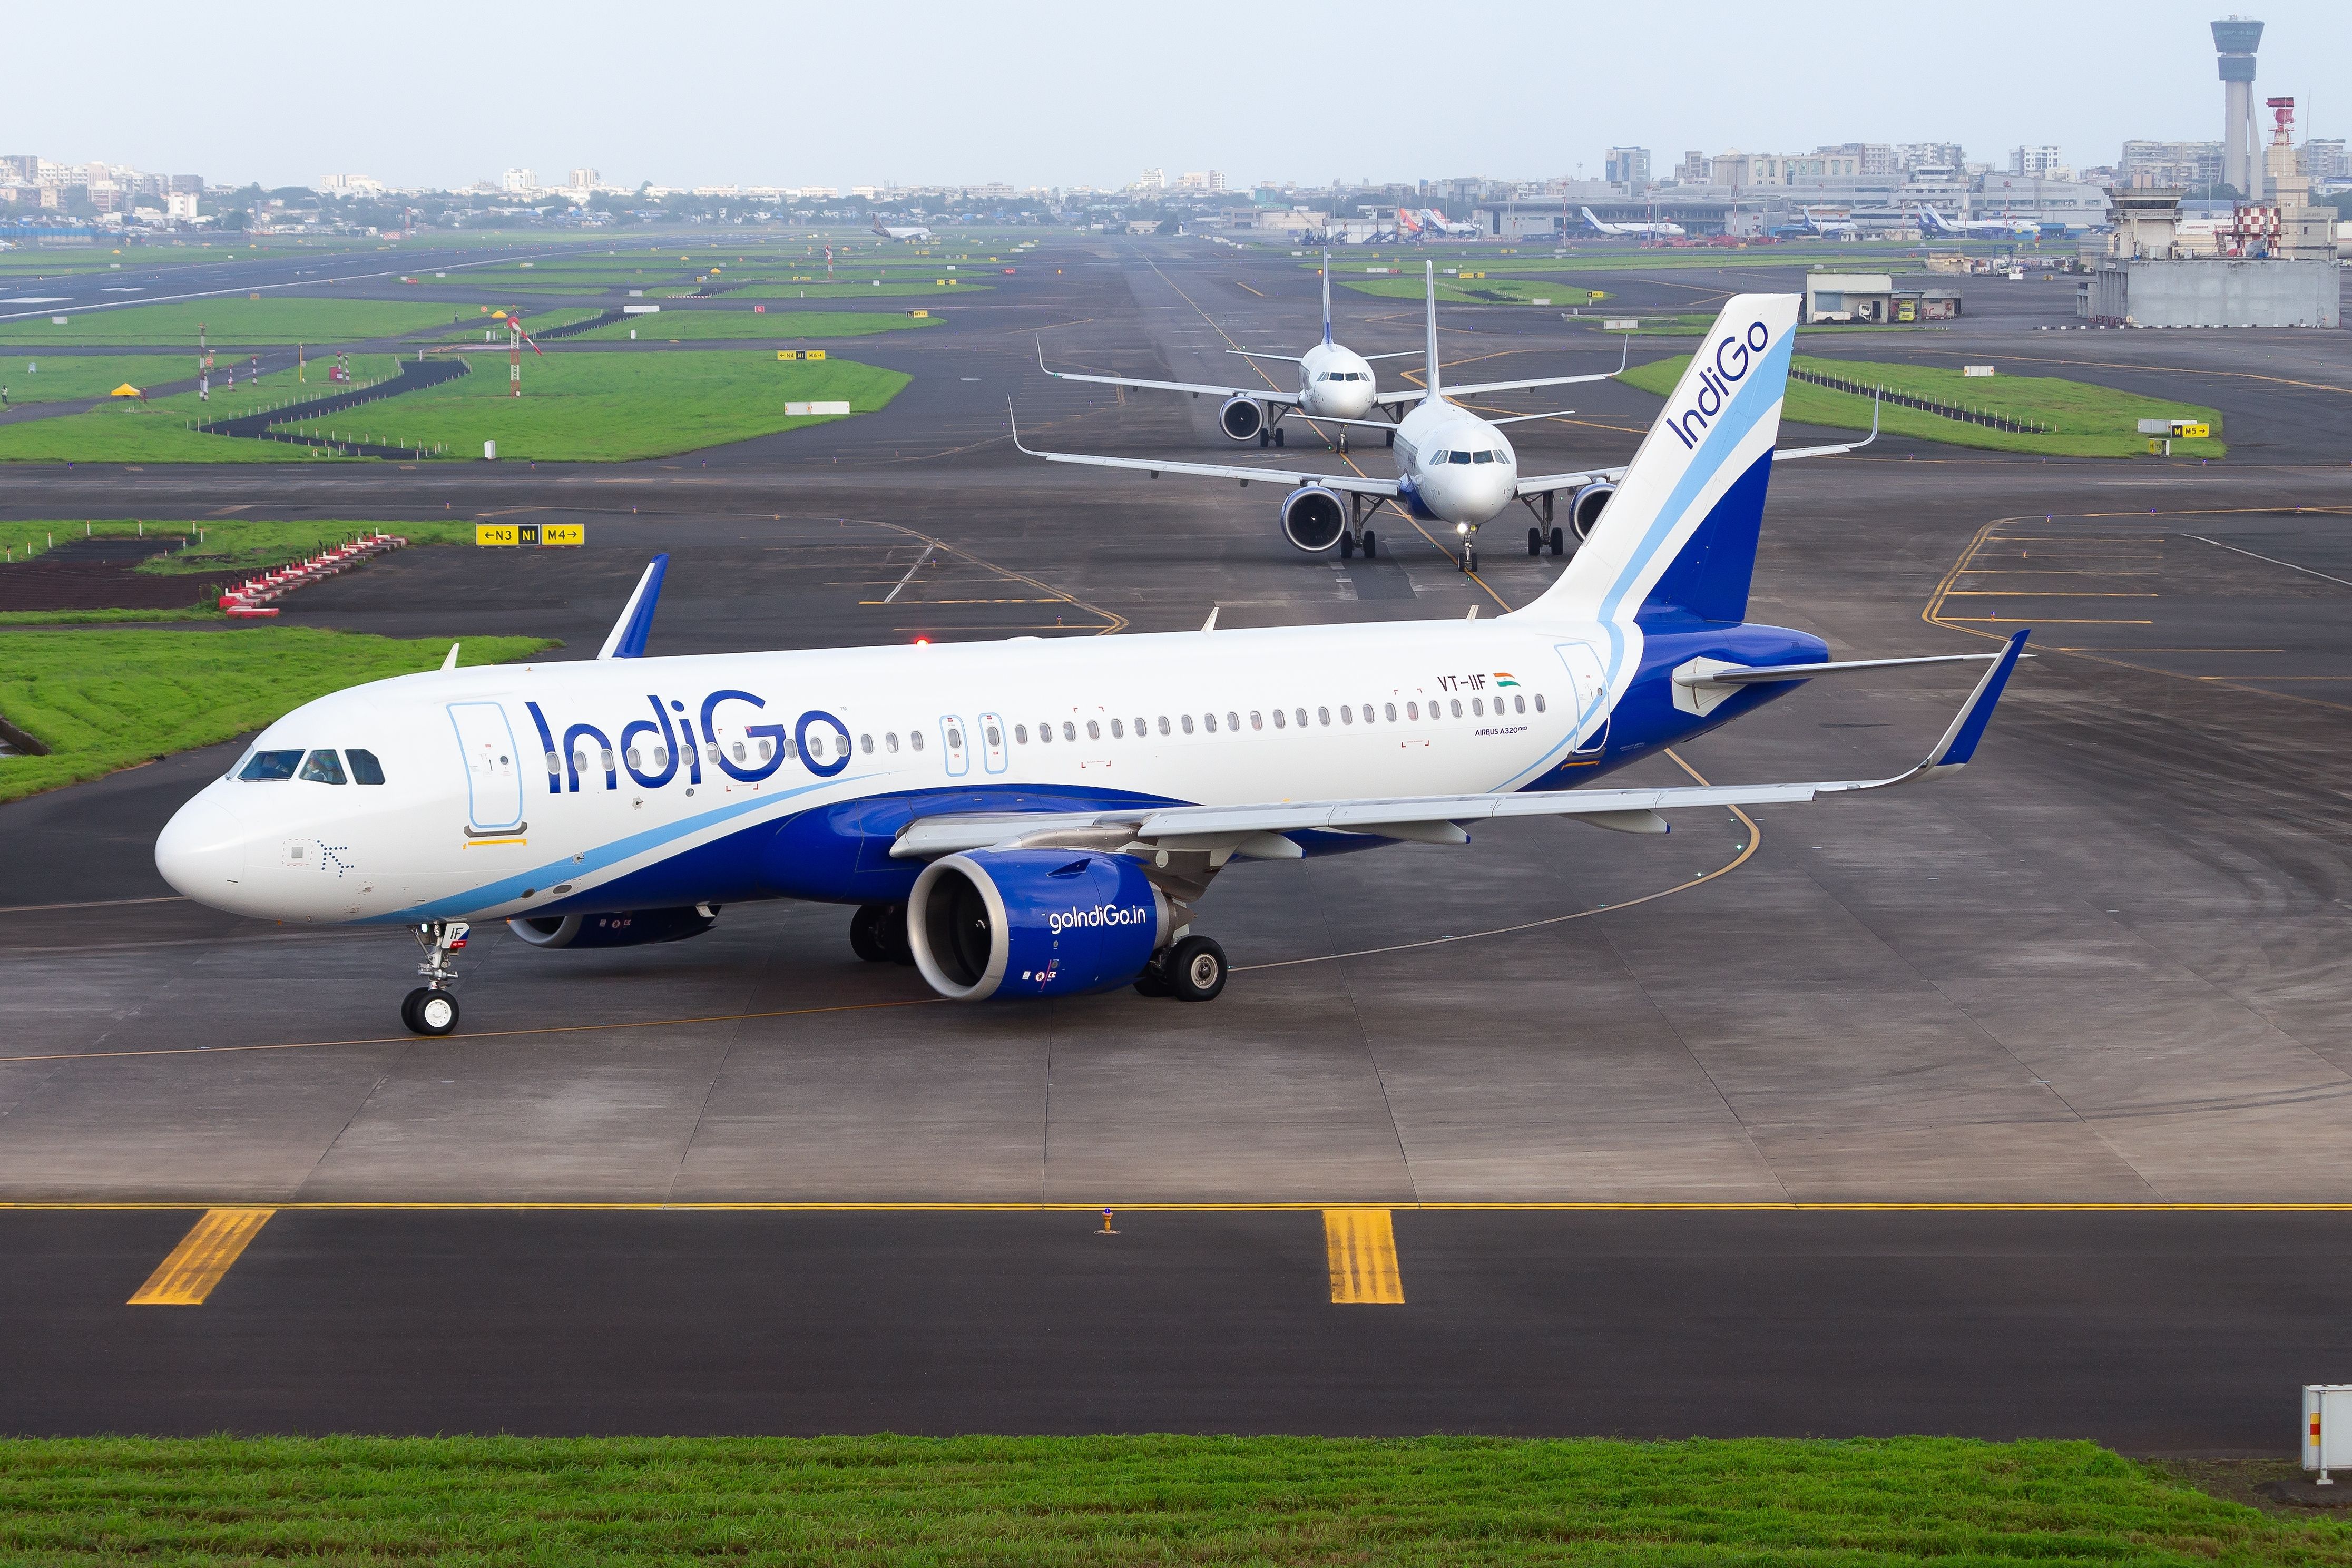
1505, 677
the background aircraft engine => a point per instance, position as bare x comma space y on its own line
1242, 418
1033, 923
1586, 508
636, 928
1313, 517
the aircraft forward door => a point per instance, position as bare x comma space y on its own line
951, 736
493, 778
1592, 698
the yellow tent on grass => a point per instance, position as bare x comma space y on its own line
126, 390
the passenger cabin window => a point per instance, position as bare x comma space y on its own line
1539, 702
1021, 734
1391, 712
1187, 721
1118, 730
1093, 730
1412, 709
1163, 724
269, 767
365, 769
865, 744
1211, 720
1279, 720
915, 739
890, 741
1299, 714
1457, 708
1069, 730
1322, 714
1234, 722
324, 767
1044, 735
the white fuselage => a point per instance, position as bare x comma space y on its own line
478, 818
1335, 382
1459, 468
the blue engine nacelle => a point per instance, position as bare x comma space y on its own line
636, 928
1242, 418
1313, 518
1033, 923
1584, 510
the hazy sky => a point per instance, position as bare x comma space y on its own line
716, 91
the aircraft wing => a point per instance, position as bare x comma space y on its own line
1414, 395
1259, 395
1360, 484
1255, 831
1536, 484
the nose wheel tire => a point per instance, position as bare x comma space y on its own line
1343, 442
426, 1010
1469, 558
1195, 970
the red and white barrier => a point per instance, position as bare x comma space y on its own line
251, 597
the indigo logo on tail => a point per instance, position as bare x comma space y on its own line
1733, 356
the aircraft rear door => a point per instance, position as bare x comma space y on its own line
1591, 696
493, 779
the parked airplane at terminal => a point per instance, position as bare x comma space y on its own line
1429, 224
1932, 222
1635, 230
1031, 818
1455, 467
1336, 386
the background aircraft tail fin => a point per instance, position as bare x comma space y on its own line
1680, 534
1429, 350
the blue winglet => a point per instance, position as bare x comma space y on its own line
1960, 743
636, 623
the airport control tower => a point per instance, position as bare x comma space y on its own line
2236, 40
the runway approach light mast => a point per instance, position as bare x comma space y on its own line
516, 338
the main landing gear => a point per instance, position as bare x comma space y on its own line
1270, 437
1535, 542
878, 934
1192, 970
431, 1009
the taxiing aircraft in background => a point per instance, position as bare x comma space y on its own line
1029, 819
1455, 467
1336, 386
911, 234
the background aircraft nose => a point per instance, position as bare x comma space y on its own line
200, 852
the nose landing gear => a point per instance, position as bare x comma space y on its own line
431, 1008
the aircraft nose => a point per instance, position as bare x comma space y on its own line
200, 852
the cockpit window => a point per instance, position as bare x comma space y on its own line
365, 769
264, 767
1482, 457
324, 767
1458, 457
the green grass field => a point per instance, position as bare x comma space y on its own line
611, 405
67, 378
155, 431
1118, 1500
106, 699
230, 323
705, 323
2085, 421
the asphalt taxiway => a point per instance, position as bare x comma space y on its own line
2103, 968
